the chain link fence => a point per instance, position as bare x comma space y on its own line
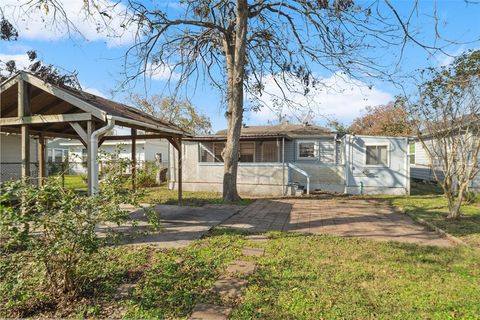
74, 174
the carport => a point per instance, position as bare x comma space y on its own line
32, 107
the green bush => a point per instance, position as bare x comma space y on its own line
147, 176
52, 230
471, 197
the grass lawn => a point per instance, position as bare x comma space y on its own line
428, 203
300, 277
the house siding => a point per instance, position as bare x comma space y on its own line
327, 172
11, 157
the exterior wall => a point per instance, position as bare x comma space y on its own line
393, 178
11, 157
146, 150
254, 179
422, 170
327, 171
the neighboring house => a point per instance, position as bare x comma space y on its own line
147, 151
10, 157
56, 152
421, 169
275, 159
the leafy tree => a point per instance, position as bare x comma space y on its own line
180, 113
384, 120
447, 118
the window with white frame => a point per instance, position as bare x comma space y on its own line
247, 151
411, 152
376, 155
307, 150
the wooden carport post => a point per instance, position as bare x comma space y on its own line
89, 156
177, 144
23, 110
41, 159
134, 159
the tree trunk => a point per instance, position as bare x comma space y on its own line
235, 51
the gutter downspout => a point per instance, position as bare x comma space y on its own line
347, 161
93, 149
283, 166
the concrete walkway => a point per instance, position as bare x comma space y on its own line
371, 219
178, 225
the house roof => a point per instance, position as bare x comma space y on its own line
49, 99
283, 130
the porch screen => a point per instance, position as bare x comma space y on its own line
247, 149
377, 155
269, 151
217, 151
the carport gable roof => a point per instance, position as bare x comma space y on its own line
46, 98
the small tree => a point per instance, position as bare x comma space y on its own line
56, 228
447, 116
180, 113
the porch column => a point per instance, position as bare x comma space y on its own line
180, 171
89, 157
23, 110
41, 159
134, 159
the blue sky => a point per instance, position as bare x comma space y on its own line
99, 59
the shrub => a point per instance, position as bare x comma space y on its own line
147, 176
53, 230
471, 197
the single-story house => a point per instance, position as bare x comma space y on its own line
146, 151
275, 160
10, 160
421, 168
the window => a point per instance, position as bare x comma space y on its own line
84, 155
50, 155
377, 155
269, 151
217, 151
411, 152
247, 151
307, 150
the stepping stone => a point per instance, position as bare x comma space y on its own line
229, 288
257, 237
123, 291
204, 311
253, 252
241, 267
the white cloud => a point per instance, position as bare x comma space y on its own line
340, 97
444, 60
21, 60
162, 72
94, 91
37, 23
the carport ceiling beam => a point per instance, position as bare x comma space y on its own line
51, 118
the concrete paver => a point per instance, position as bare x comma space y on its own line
210, 312
372, 219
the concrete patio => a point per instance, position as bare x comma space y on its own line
178, 225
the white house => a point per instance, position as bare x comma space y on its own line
147, 151
10, 156
278, 158
421, 169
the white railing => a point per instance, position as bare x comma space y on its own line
302, 172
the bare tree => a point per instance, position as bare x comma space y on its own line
237, 45
447, 115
